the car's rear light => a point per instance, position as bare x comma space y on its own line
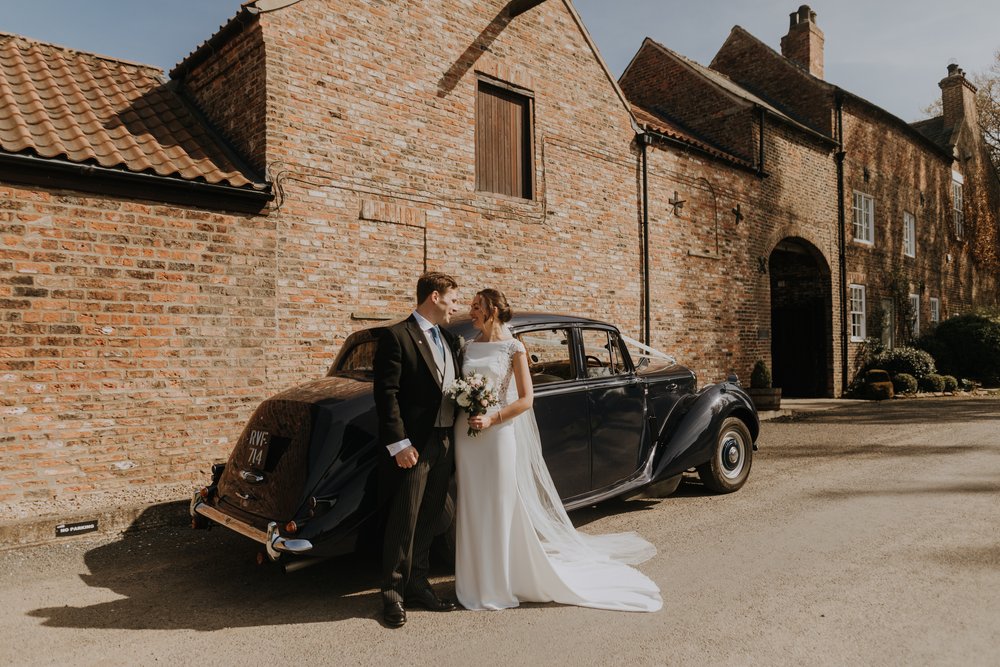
291, 528
204, 492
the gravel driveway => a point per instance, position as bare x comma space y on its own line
866, 535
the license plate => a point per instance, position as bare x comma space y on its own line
257, 446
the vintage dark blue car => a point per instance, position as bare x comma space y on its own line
302, 477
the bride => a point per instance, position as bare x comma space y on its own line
515, 542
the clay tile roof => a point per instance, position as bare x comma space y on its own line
84, 108
668, 128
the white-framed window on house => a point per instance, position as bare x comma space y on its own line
957, 204
915, 314
935, 311
909, 234
864, 218
857, 295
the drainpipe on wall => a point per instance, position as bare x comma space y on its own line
760, 147
643, 140
842, 241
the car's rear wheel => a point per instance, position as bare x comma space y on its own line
729, 467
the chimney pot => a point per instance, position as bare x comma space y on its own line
803, 44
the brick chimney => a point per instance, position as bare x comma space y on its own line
804, 42
958, 98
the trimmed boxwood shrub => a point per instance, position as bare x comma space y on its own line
906, 360
904, 383
932, 383
968, 346
760, 376
973, 344
950, 383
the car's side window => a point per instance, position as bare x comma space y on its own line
359, 359
602, 353
549, 358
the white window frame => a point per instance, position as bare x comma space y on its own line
915, 307
935, 318
864, 218
957, 204
858, 310
909, 234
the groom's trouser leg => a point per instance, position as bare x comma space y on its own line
435, 493
399, 548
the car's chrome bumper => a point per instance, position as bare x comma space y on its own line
274, 543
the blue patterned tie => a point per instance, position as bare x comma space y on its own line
436, 335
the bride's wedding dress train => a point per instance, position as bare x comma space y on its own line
515, 542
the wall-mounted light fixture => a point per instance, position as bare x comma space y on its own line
738, 214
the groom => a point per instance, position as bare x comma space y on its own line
415, 362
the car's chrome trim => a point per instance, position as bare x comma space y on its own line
199, 506
274, 543
638, 480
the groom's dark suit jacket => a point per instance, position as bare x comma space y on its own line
407, 390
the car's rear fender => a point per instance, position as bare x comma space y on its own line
688, 436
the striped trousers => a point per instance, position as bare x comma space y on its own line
413, 509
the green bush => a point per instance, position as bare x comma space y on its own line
933, 383
950, 383
968, 346
904, 383
760, 376
906, 360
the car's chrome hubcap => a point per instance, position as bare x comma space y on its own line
732, 455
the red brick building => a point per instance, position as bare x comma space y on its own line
175, 250
139, 334
865, 225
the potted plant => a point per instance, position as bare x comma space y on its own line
764, 396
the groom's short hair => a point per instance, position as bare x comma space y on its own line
431, 282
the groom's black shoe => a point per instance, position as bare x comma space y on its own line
393, 614
428, 600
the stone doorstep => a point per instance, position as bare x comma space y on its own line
111, 521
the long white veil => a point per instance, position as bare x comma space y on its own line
548, 516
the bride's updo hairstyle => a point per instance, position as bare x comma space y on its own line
493, 298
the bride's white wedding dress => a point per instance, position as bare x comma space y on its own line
515, 542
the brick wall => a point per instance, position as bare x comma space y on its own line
131, 340
765, 72
660, 80
712, 299
138, 337
371, 136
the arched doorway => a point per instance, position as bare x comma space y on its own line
801, 320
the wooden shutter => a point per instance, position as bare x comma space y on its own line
503, 142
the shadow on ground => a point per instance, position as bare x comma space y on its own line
178, 578
172, 577
940, 410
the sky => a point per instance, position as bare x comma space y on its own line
890, 52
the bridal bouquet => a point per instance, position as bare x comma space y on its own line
475, 394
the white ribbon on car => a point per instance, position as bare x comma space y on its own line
648, 352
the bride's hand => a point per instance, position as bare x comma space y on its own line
480, 422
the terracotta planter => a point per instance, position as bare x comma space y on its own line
766, 399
